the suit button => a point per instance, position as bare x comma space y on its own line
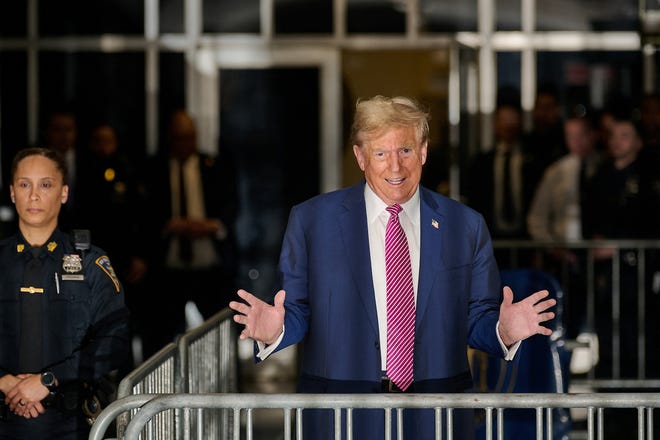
377, 345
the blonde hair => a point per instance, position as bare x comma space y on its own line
380, 113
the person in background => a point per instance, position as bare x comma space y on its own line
649, 113
65, 325
387, 283
556, 213
114, 203
623, 202
192, 253
604, 120
501, 181
545, 142
61, 135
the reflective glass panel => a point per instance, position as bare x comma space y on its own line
231, 16
83, 17
171, 16
448, 15
587, 15
97, 87
508, 70
13, 19
596, 80
269, 124
375, 16
507, 15
303, 16
13, 108
172, 85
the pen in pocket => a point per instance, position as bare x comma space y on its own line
57, 283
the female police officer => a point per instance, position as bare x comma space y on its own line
63, 322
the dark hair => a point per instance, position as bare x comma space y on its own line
548, 88
635, 123
48, 153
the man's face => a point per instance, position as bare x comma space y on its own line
38, 192
546, 111
507, 125
61, 133
579, 138
183, 136
624, 142
392, 164
104, 141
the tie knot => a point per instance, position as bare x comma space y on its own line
394, 209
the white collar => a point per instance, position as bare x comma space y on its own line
375, 206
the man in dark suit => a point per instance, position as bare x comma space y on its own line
336, 271
501, 182
192, 204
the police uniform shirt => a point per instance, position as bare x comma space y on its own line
50, 299
31, 298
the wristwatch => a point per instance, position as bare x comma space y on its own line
48, 380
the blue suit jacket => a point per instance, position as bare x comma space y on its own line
326, 272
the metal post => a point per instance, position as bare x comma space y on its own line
489, 423
388, 423
438, 424
616, 314
641, 313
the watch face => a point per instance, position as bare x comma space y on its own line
48, 379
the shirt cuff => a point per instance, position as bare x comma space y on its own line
267, 350
509, 352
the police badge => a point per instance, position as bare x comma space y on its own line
72, 268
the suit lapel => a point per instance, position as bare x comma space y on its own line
354, 234
430, 255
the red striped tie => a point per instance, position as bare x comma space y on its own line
400, 303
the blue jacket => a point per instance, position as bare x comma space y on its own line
330, 305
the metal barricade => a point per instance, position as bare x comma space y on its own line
203, 360
493, 406
634, 265
175, 393
209, 363
160, 374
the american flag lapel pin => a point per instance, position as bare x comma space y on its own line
435, 223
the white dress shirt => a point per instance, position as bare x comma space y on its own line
555, 210
203, 251
515, 168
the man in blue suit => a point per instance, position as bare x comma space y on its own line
334, 287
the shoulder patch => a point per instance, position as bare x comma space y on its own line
104, 263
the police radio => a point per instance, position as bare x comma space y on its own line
82, 240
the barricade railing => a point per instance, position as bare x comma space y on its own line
493, 407
203, 360
160, 374
632, 275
